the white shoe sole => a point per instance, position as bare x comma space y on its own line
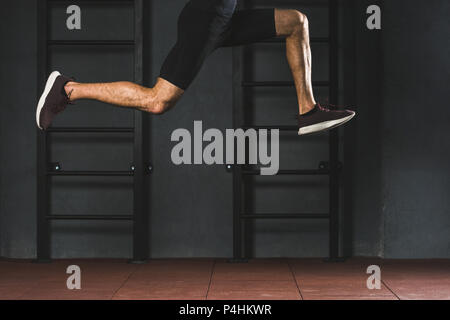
326, 125
48, 86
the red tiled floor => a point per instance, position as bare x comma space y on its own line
343, 281
13, 291
349, 288
255, 285
162, 289
100, 279
264, 279
65, 294
418, 279
175, 279
175, 270
275, 270
253, 289
254, 295
160, 297
350, 297
198, 279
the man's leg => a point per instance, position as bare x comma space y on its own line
250, 26
198, 34
60, 91
156, 100
293, 25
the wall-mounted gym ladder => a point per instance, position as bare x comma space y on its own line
330, 168
45, 170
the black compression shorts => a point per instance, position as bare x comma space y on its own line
205, 25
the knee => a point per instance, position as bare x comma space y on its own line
162, 97
299, 21
160, 107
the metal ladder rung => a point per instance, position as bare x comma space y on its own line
311, 172
283, 40
91, 173
90, 217
285, 216
281, 84
331, 171
139, 216
93, 1
89, 130
91, 42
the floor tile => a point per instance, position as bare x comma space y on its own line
418, 279
259, 279
162, 289
254, 295
347, 280
254, 270
348, 297
246, 285
65, 294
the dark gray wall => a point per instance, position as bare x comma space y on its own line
396, 167
363, 72
18, 139
399, 151
416, 136
190, 205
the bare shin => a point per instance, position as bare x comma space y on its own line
156, 100
293, 25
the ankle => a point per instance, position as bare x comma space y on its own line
307, 107
69, 89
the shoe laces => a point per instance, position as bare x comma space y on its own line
327, 106
68, 95
321, 107
68, 101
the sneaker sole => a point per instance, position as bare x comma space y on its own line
326, 125
48, 86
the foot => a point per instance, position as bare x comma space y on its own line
320, 119
53, 101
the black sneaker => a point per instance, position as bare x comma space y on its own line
320, 119
53, 101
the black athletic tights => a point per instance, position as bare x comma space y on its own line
205, 25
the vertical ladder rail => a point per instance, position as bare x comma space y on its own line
334, 134
140, 224
43, 225
237, 169
239, 253
139, 217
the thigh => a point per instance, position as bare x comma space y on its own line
249, 26
221, 7
200, 30
199, 33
